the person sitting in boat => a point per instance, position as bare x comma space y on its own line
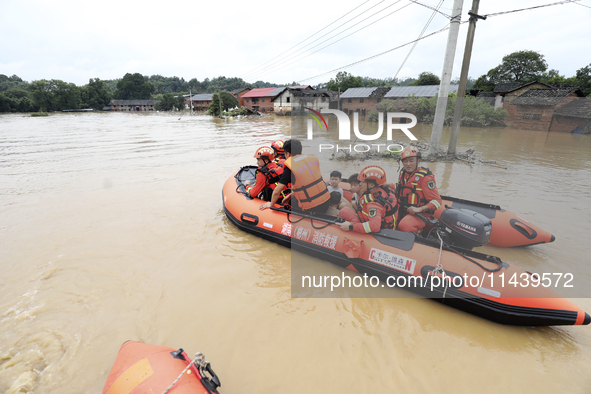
309, 192
279, 152
378, 208
356, 189
416, 191
335, 201
333, 183
267, 175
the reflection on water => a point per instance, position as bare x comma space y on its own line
112, 228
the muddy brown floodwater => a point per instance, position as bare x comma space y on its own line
112, 228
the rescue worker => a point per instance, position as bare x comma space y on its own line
267, 175
279, 151
416, 191
378, 208
309, 192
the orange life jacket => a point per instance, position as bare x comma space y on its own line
386, 198
308, 186
409, 193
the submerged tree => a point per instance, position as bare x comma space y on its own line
228, 101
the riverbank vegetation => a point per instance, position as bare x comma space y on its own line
476, 113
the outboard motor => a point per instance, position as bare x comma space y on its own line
465, 228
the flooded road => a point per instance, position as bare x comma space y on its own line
112, 228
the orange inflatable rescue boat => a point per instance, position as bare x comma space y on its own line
508, 229
143, 368
441, 266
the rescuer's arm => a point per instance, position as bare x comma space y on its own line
258, 186
274, 197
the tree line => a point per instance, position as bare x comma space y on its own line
17, 95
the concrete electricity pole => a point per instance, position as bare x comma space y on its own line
448, 62
455, 127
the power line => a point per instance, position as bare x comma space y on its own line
532, 8
320, 43
582, 5
431, 8
330, 24
432, 34
420, 35
342, 38
377, 55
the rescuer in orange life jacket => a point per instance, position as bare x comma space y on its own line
416, 191
378, 208
279, 152
309, 192
267, 175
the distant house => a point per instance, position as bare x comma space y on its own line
505, 93
574, 117
397, 92
201, 102
262, 99
291, 99
301, 87
534, 109
333, 98
239, 94
362, 100
132, 105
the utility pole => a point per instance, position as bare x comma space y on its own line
448, 62
455, 126
220, 100
191, 101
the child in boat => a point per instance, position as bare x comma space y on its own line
355, 189
335, 201
333, 184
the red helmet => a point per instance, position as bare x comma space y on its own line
278, 147
373, 172
410, 151
264, 152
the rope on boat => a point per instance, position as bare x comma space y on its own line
199, 362
439, 268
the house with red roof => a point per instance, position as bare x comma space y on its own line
261, 99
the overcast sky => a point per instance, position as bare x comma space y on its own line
77, 40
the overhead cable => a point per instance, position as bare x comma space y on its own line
342, 38
325, 27
377, 55
420, 35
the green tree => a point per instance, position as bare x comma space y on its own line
426, 78
522, 67
95, 95
584, 79
13, 82
133, 87
54, 95
344, 81
228, 101
170, 101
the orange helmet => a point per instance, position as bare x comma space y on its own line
410, 151
265, 152
278, 147
373, 172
